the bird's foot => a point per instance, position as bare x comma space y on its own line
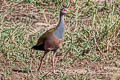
54, 72
39, 70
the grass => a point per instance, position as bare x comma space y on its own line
91, 47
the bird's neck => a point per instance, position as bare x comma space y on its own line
60, 28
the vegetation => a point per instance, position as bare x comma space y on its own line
92, 39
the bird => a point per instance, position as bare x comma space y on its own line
52, 39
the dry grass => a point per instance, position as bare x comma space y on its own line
90, 51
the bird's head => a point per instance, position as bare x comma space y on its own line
65, 11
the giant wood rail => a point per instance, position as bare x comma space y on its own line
52, 39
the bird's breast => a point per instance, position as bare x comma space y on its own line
52, 43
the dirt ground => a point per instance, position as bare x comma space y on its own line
81, 69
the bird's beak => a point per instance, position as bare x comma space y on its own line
68, 11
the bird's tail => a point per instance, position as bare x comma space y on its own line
38, 47
35, 47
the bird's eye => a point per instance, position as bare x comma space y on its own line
64, 9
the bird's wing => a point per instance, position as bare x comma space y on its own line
45, 35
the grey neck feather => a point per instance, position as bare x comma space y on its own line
60, 28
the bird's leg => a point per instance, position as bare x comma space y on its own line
42, 60
53, 61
